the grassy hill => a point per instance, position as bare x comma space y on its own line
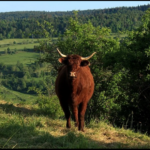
16, 97
24, 126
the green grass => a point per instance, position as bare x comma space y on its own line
15, 96
120, 36
24, 57
24, 126
19, 46
10, 41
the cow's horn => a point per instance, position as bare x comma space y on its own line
86, 58
61, 53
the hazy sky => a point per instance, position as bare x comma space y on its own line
7, 6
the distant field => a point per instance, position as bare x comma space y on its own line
19, 46
10, 41
23, 57
117, 35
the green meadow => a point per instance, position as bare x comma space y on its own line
19, 46
21, 56
17, 97
17, 41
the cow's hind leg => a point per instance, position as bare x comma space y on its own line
66, 110
82, 109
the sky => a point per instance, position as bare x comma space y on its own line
52, 6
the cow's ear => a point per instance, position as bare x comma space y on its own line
62, 60
85, 63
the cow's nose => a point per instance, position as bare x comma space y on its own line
72, 74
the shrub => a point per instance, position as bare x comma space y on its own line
49, 105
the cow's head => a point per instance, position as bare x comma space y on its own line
74, 62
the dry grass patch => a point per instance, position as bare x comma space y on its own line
118, 137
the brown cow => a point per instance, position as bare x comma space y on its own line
74, 87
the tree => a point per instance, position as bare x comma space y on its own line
19, 33
23, 84
5, 51
8, 50
137, 55
1, 36
130, 66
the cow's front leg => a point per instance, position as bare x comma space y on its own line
65, 108
75, 113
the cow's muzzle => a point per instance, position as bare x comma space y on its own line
73, 74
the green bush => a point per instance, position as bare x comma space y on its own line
48, 105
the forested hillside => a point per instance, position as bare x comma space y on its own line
21, 24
